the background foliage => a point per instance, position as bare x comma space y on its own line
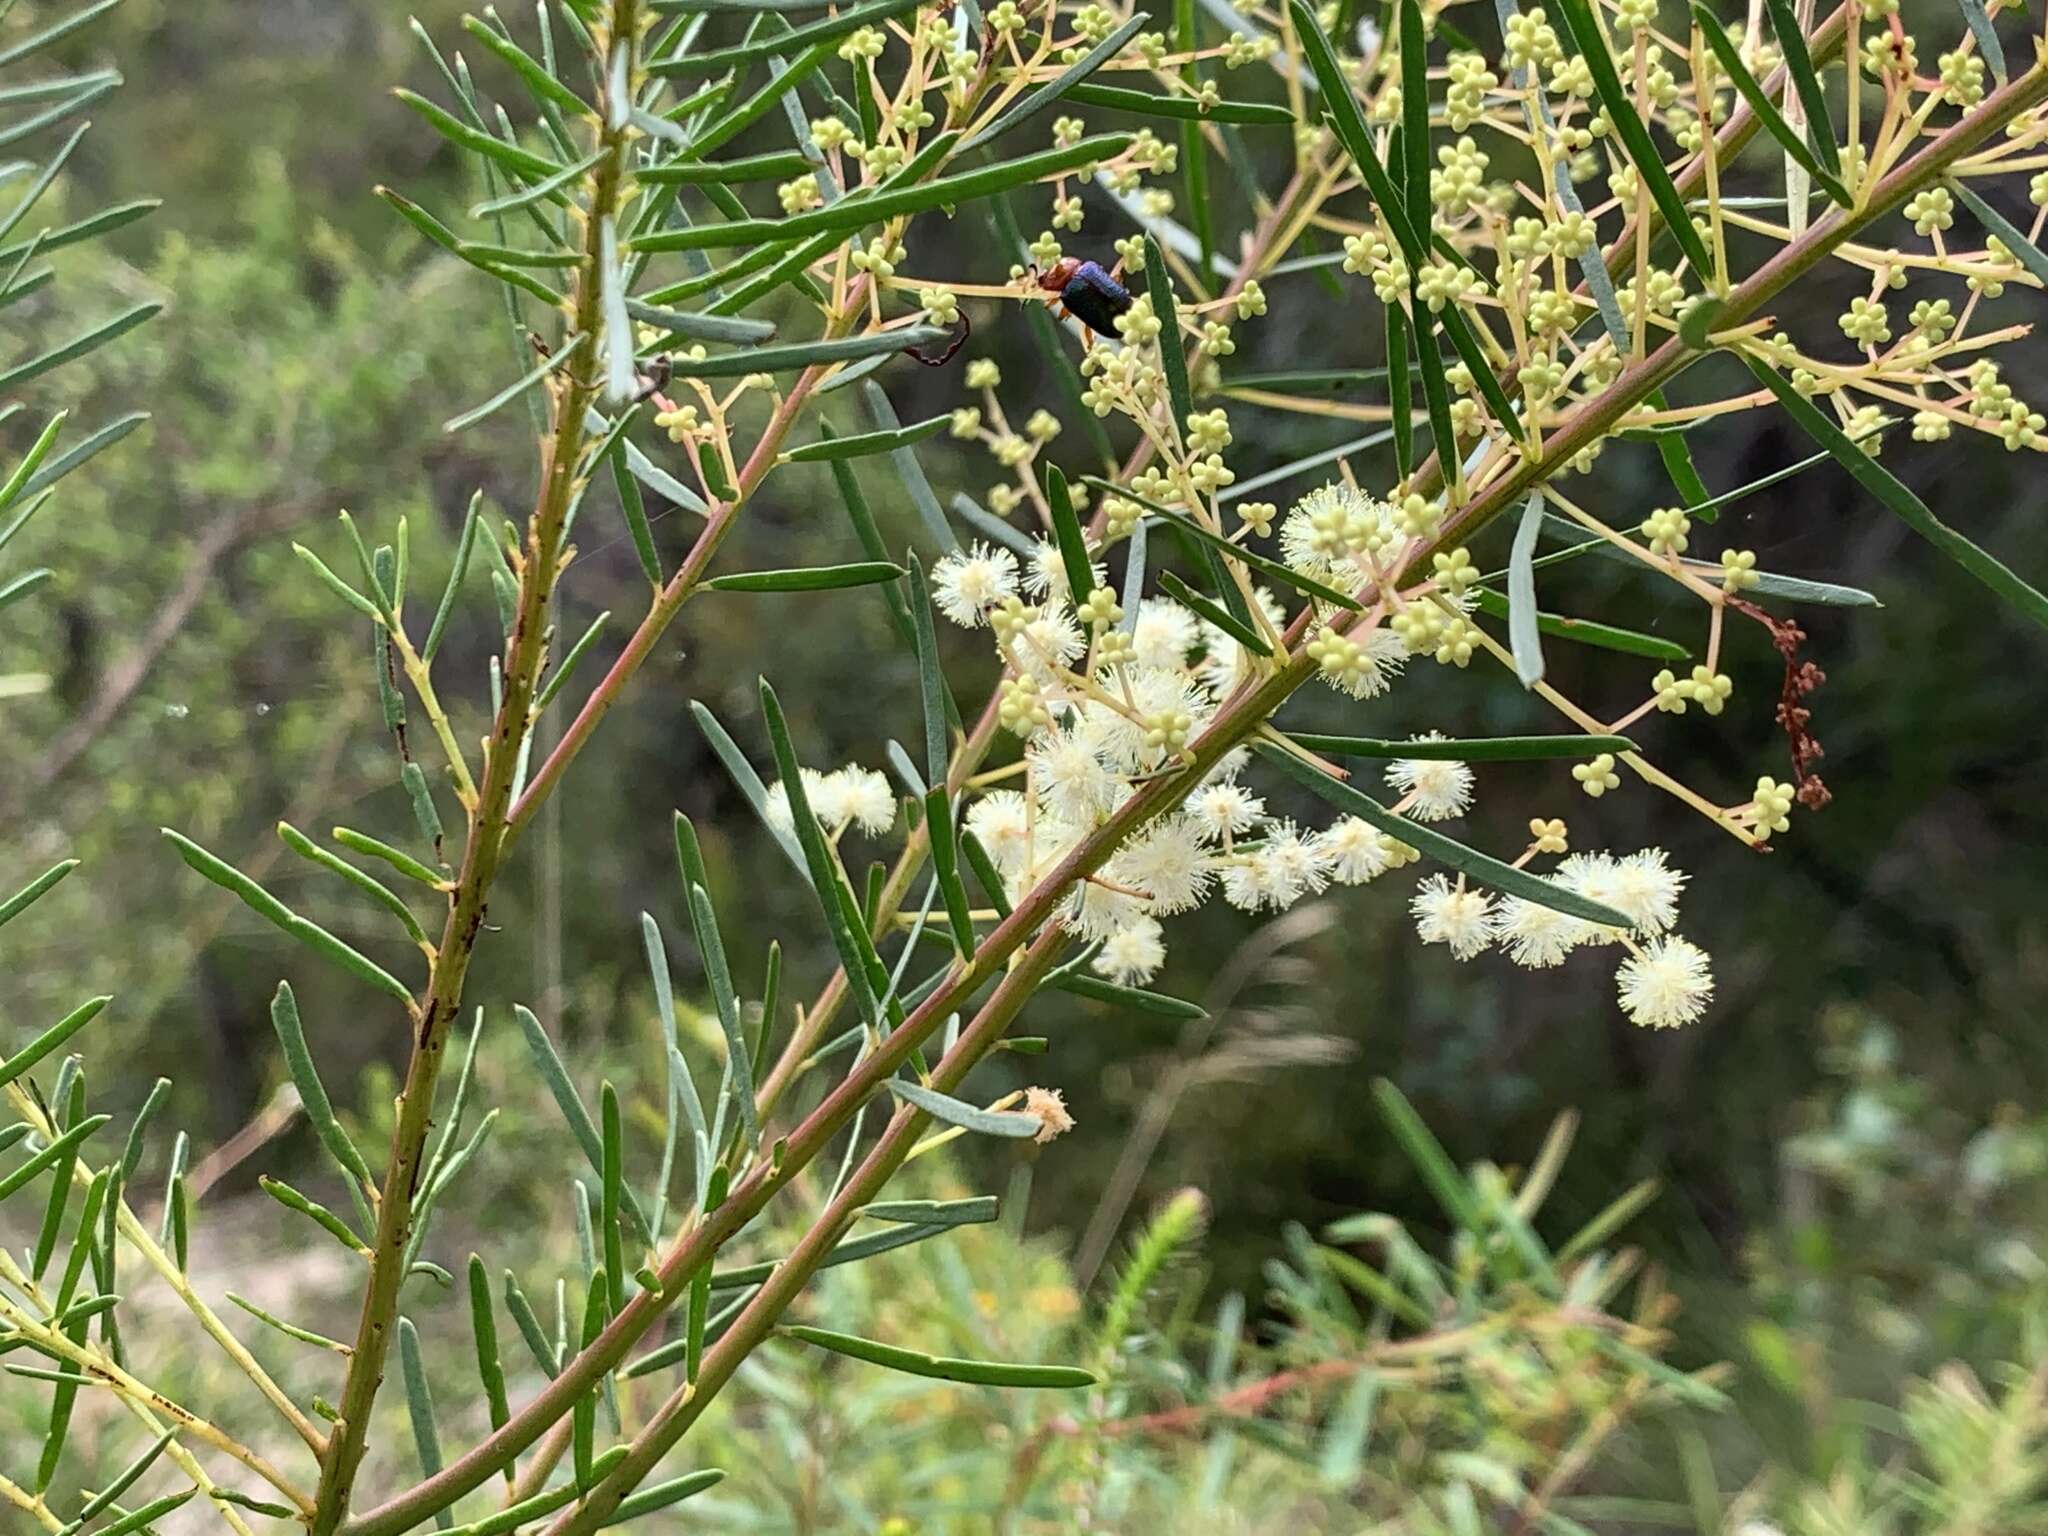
1854, 1167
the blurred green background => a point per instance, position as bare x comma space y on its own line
1852, 1146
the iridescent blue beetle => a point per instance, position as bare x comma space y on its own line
1091, 295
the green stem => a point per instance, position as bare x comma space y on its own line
574, 395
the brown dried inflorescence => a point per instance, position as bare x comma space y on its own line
1801, 679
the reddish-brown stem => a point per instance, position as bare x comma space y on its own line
675, 1416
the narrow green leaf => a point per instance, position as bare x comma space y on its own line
298, 1060
909, 471
1481, 867
718, 976
51, 1039
870, 536
635, 512
131, 1154
829, 28
541, 191
516, 388
856, 950
291, 1199
79, 346
1591, 44
985, 1122
555, 1074
984, 1373
529, 1327
30, 461
662, 1495
60, 1148
526, 1510
778, 165
537, 77
1606, 637
141, 1519
2009, 234
985, 872
376, 890
1172, 360
946, 866
1348, 121
865, 443
289, 1330
1979, 20
1470, 749
1054, 90
1265, 565
1119, 996
521, 162
1415, 156
567, 669
735, 761
404, 863
1525, 637
72, 457
419, 1407
62, 28
35, 890
697, 327
71, 1097
123, 1480
803, 354
1790, 139
817, 578
1313, 381
22, 585
1073, 544
931, 678
853, 213
336, 585
1245, 636
1116, 98
464, 545
312, 935
1799, 65
1910, 509
612, 1178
